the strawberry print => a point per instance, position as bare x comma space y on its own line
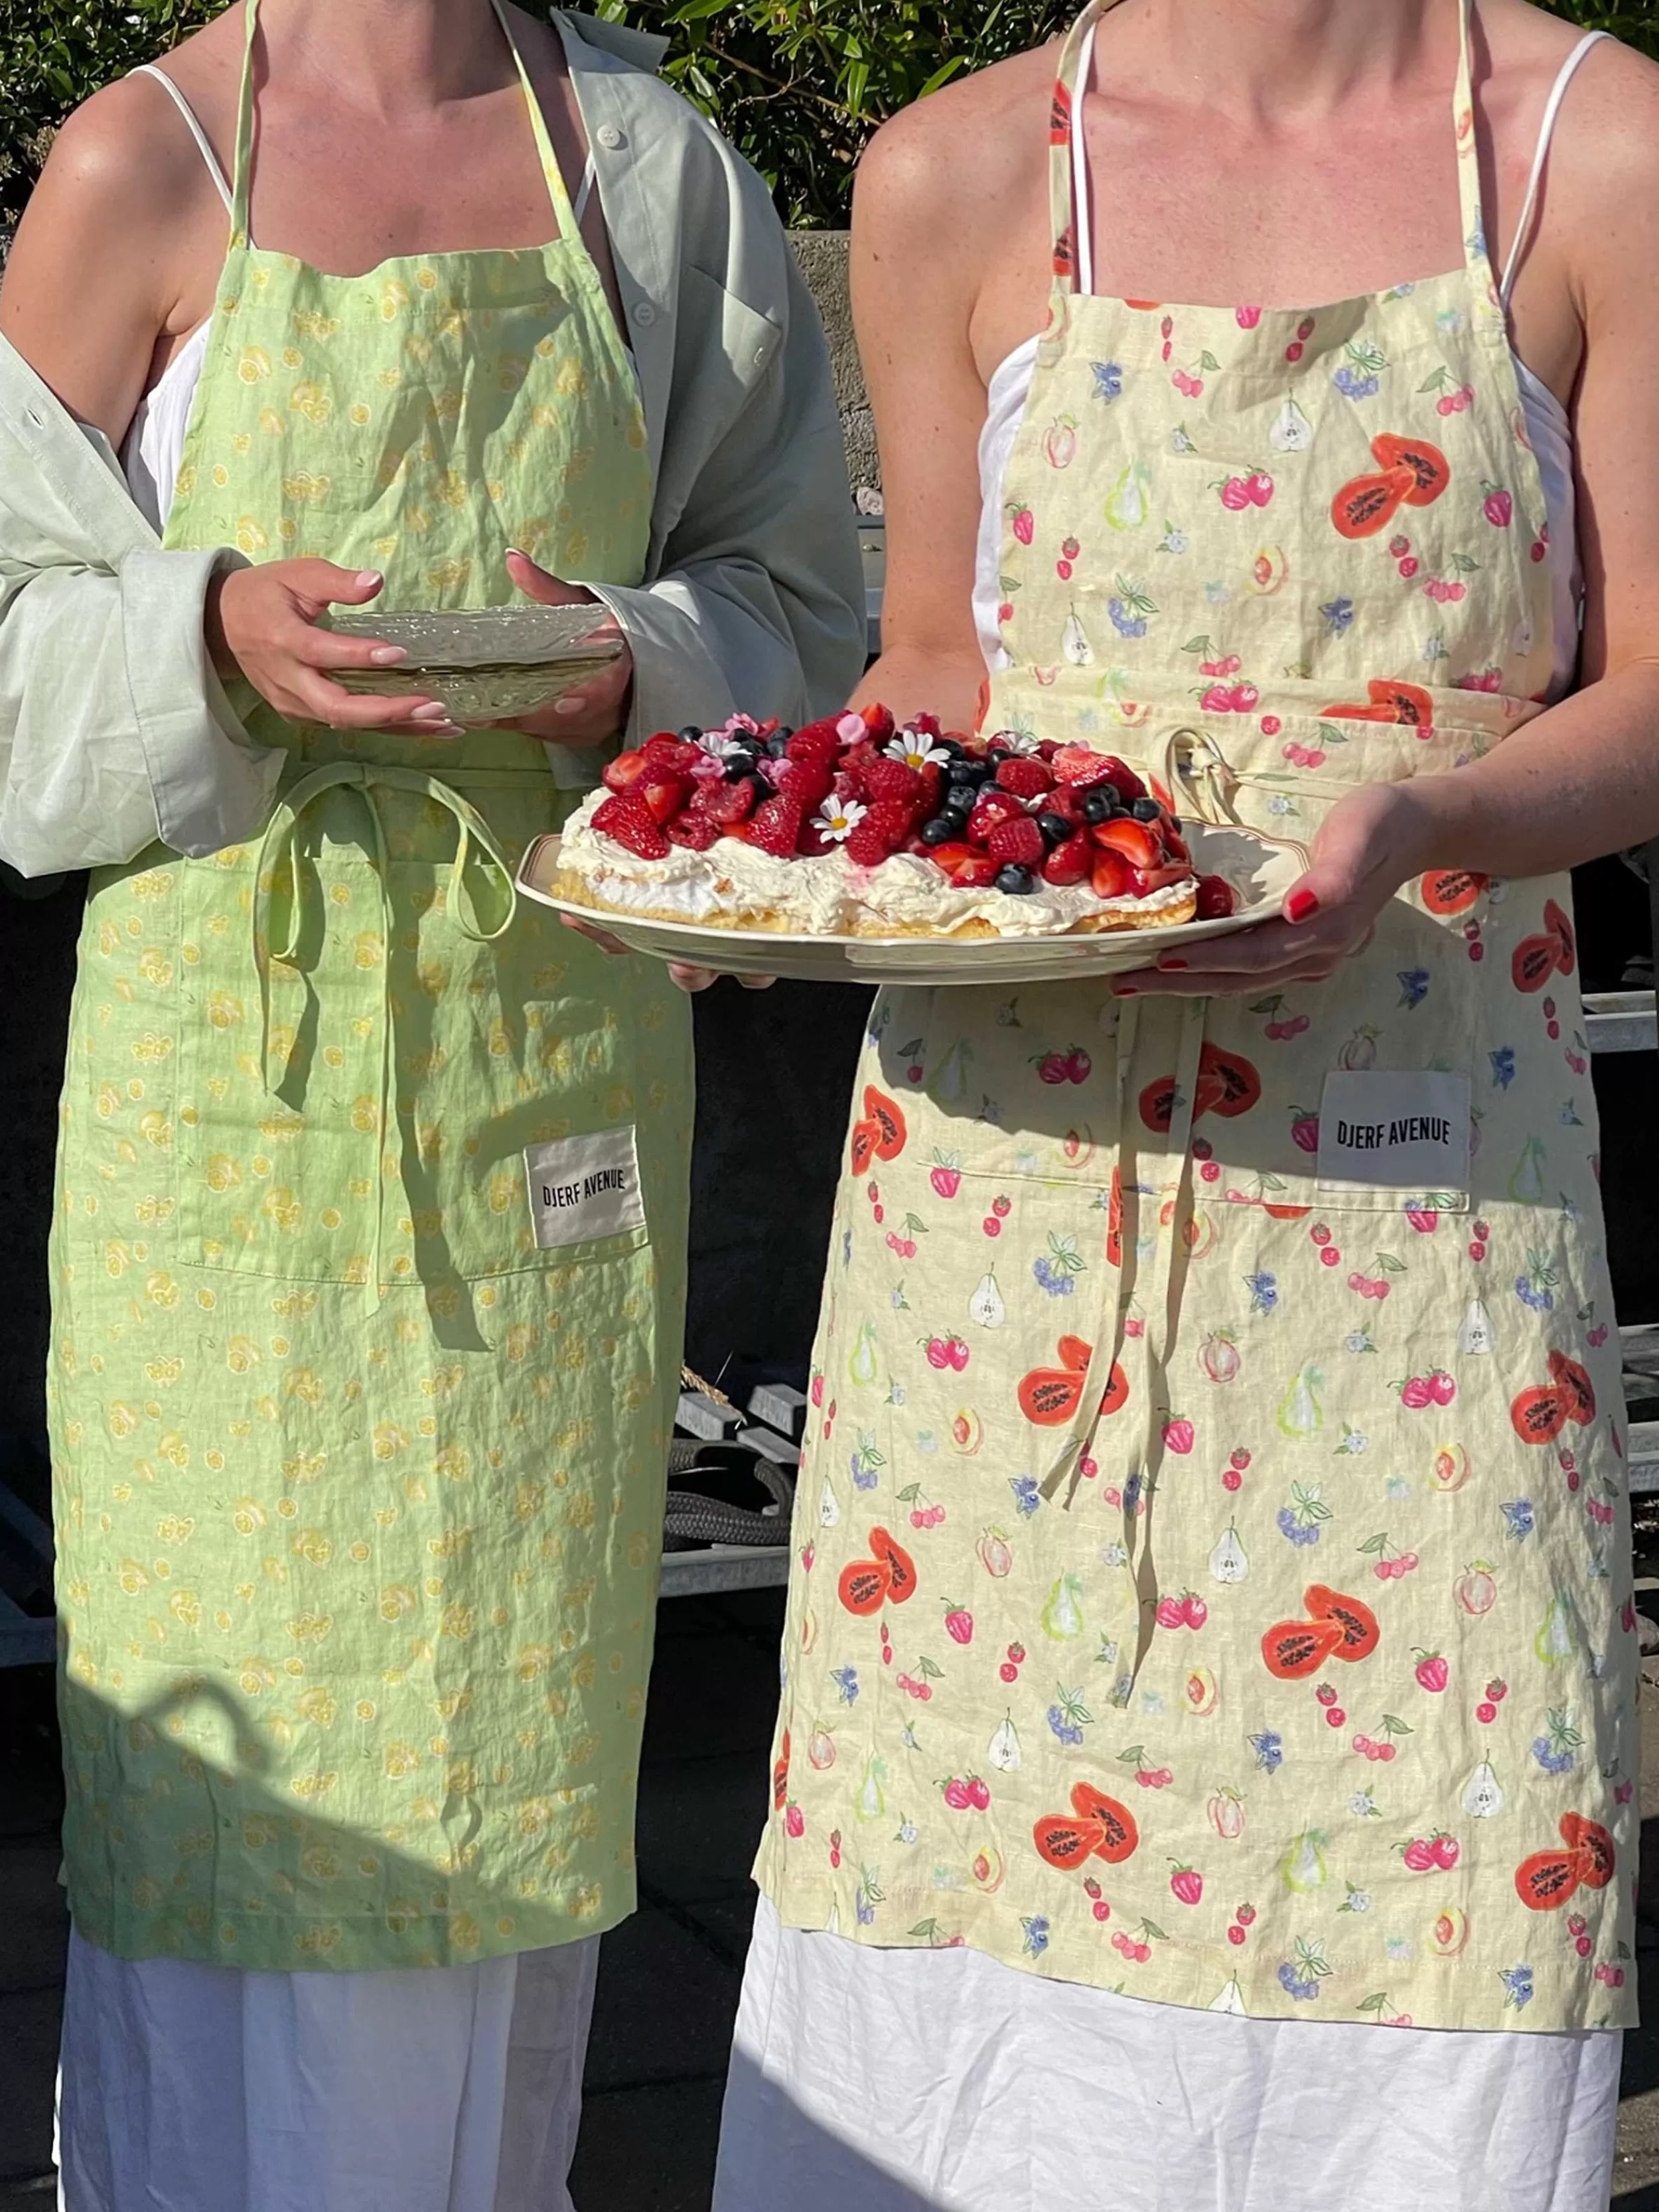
1290, 1510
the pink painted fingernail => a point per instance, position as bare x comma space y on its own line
388, 656
570, 707
1301, 906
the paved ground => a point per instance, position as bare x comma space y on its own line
668, 1985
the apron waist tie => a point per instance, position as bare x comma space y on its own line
278, 851
1142, 1176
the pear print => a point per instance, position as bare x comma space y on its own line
1527, 1185
986, 1306
872, 1803
1304, 1869
1477, 1335
862, 1366
1062, 1617
1003, 1752
1230, 2000
828, 1511
1229, 1562
1482, 1799
1291, 431
1558, 1638
948, 1084
1074, 643
1127, 504
1300, 1415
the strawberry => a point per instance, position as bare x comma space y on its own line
728, 803
777, 827
625, 769
932, 786
630, 822
1080, 765
891, 778
695, 831
976, 873
1066, 800
950, 855
881, 831
1134, 840
1117, 771
1215, 898
812, 844
1019, 842
1025, 777
1143, 882
1109, 878
1069, 863
991, 809
663, 751
809, 781
879, 721
664, 796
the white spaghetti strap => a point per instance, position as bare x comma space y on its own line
585, 190
204, 145
1083, 221
1547, 132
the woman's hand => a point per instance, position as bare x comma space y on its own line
597, 710
1373, 841
262, 623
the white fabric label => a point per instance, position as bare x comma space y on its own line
1405, 1132
582, 1187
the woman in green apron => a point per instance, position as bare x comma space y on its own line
360, 1447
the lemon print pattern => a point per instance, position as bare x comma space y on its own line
358, 1491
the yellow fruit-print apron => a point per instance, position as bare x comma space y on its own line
370, 1238
1214, 1578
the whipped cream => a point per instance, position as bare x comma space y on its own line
825, 897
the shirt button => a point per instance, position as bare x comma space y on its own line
644, 314
610, 138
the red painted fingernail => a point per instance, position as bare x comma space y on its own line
1300, 906
1127, 990
1172, 963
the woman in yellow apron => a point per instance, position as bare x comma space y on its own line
360, 1442
1211, 1640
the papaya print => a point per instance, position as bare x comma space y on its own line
333, 1440
1306, 1545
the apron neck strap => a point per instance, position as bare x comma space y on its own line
242, 182
241, 188
1475, 251
558, 190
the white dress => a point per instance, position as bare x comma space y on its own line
201, 2088
972, 2087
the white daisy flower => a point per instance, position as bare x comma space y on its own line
719, 747
917, 750
837, 818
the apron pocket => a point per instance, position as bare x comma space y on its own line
381, 1123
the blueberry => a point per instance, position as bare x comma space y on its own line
940, 831
1145, 810
690, 734
738, 765
1289, 1978
777, 746
784, 732
995, 754
1016, 880
1054, 827
952, 747
1287, 1522
1097, 804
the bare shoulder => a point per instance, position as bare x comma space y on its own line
962, 149
1603, 181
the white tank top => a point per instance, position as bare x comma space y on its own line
155, 445
1548, 426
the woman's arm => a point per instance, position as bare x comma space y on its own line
1582, 779
913, 279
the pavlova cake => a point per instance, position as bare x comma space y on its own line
854, 827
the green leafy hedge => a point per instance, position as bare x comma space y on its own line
799, 84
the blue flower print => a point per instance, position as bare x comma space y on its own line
846, 1679
1027, 1495
1519, 1518
1517, 1982
1269, 1749
1036, 1935
1413, 986
1108, 380
1338, 616
1502, 1066
1264, 1291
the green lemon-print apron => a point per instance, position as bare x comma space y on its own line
1214, 1577
370, 1239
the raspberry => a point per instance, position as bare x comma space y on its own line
1025, 777
992, 809
695, 831
777, 825
808, 780
932, 786
670, 754
1070, 863
1065, 801
727, 803
1019, 842
819, 741
1215, 898
629, 820
878, 720
891, 778
881, 831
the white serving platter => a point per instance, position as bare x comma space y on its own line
1260, 872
